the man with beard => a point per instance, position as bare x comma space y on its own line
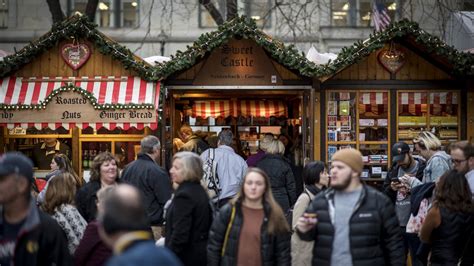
404, 163
351, 223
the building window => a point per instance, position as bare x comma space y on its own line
3, 13
358, 13
468, 5
129, 16
256, 9
110, 13
104, 16
259, 11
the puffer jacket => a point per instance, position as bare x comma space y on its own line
282, 180
374, 233
275, 249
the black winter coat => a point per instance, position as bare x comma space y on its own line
375, 236
86, 200
153, 182
393, 173
449, 239
281, 179
41, 241
275, 249
188, 220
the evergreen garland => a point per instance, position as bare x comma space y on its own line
77, 26
462, 63
240, 27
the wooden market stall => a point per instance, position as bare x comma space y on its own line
78, 86
390, 87
240, 78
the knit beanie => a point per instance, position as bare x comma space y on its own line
351, 157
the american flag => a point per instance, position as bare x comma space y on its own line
380, 16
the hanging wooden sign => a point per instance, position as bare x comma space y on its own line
238, 62
392, 59
75, 55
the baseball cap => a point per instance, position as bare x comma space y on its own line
16, 163
399, 150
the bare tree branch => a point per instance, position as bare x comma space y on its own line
231, 9
91, 8
211, 8
56, 11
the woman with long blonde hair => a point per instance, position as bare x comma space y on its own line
251, 229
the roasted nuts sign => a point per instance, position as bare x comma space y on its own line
238, 62
73, 107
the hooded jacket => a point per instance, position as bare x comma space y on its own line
374, 233
40, 241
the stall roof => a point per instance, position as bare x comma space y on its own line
78, 26
244, 27
460, 63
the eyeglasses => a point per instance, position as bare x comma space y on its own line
455, 161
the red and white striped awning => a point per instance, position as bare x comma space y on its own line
235, 108
373, 102
106, 90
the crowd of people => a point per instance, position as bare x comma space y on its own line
245, 212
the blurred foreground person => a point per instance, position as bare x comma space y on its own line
124, 227
351, 223
27, 235
450, 220
251, 229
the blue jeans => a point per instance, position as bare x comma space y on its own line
411, 242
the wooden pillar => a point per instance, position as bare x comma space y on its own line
317, 126
3, 136
470, 117
76, 150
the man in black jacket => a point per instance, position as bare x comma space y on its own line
351, 223
404, 163
27, 235
153, 182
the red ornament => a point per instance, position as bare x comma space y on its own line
392, 59
75, 55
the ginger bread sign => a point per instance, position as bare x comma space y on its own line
74, 107
238, 62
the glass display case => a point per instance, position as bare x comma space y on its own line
436, 111
360, 120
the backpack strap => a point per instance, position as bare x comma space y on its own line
227, 231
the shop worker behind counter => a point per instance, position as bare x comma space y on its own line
351, 223
44, 151
27, 235
152, 181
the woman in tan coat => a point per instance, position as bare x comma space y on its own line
316, 178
